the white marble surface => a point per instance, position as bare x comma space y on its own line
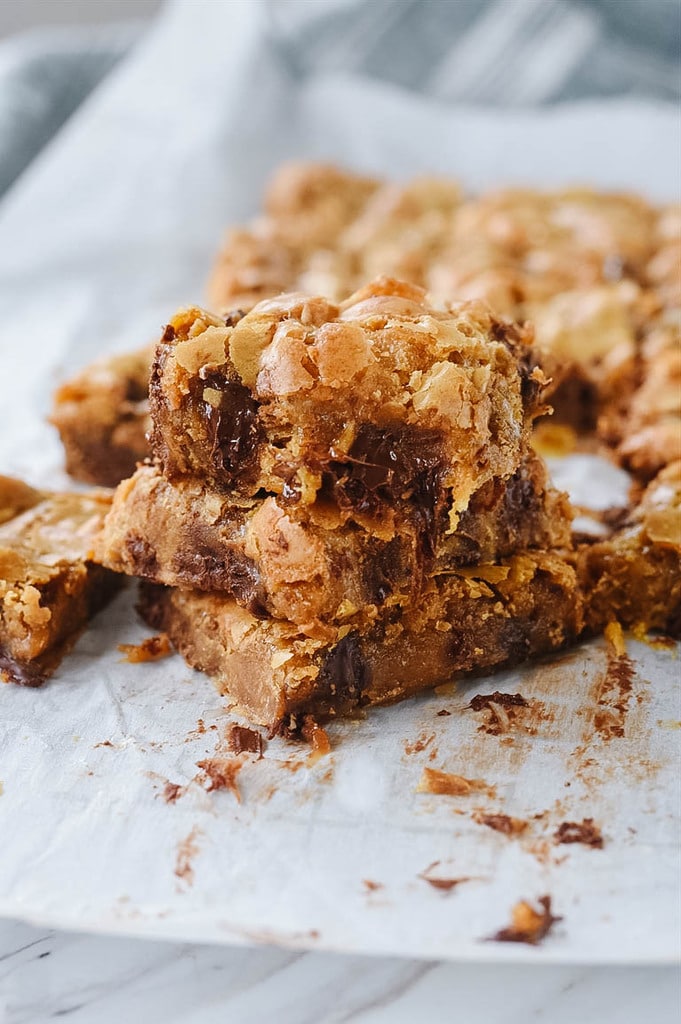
47, 975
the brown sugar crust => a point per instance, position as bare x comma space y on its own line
49, 586
301, 562
276, 673
102, 416
379, 403
634, 576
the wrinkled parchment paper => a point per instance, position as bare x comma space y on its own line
113, 227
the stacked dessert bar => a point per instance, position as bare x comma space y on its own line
343, 507
335, 502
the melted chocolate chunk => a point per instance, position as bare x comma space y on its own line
345, 673
232, 318
233, 426
142, 554
511, 336
30, 674
200, 565
386, 465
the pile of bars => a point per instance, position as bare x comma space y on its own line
337, 502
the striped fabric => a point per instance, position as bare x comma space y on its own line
489, 52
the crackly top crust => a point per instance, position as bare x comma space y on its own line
380, 399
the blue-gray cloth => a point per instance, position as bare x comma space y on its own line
488, 52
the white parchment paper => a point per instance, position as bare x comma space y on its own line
110, 230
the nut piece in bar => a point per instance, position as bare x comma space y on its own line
102, 416
634, 576
383, 402
49, 587
276, 674
299, 562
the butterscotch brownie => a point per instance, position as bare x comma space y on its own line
49, 587
634, 576
477, 619
299, 562
381, 402
102, 416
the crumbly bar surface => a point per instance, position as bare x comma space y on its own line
102, 416
634, 576
482, 617
300, 562
49, 587
382, 402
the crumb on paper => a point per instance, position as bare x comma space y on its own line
152, 649
444, 884
501, 708
505, 700
2, 787
444, 713
416, 746
441, 783
104, 743
372, 886
317, 737
242, 740
528, 924
584, 832
172, 791
187, 849
503, 823
221, 773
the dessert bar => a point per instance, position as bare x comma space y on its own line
479, 618
299, 562
634, 576
381, 403
49, 587
102, 416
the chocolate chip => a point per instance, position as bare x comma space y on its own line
345, 673
142, 555
388, 465
233, 425
169, 334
